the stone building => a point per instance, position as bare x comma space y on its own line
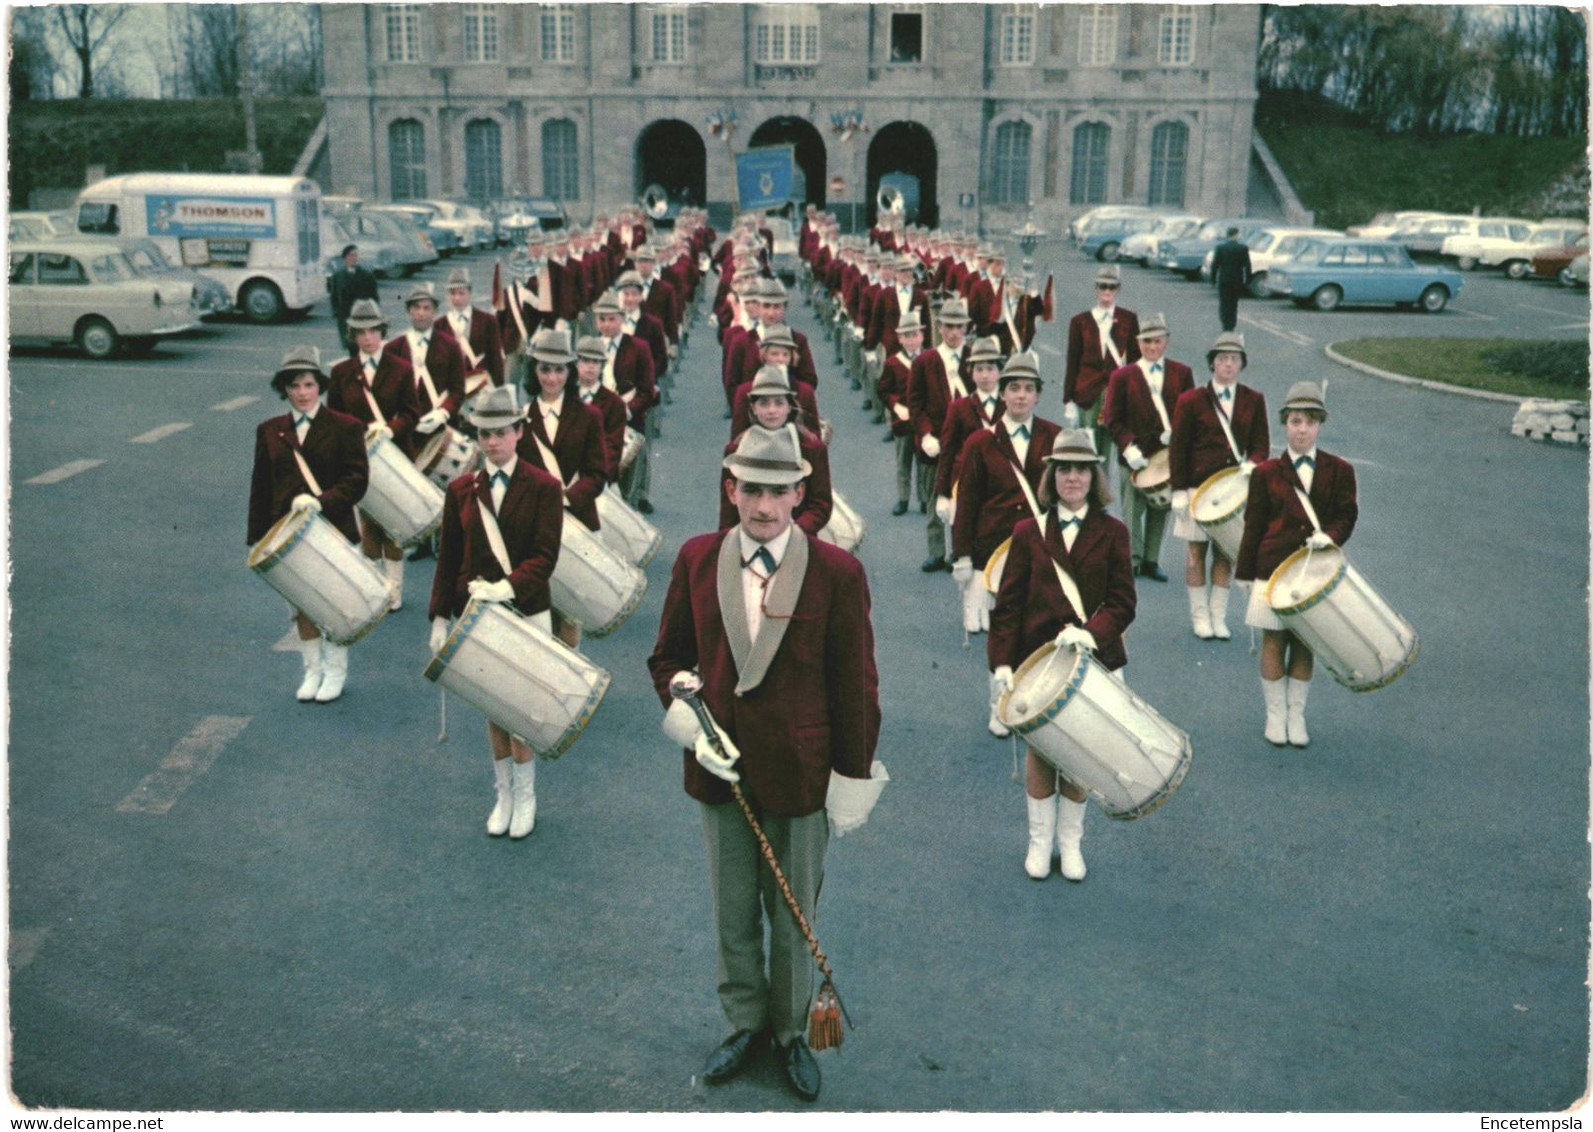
986, 109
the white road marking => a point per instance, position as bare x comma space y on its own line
161, 433
190, 758
1273, 328
25, 364
235, 403
65, 471
24, 945
1475, 314
1535, 307
1571, 326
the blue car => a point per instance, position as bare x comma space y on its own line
1187, 254
1364, 271
1104, 239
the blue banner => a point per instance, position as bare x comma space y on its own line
170, 214
764, 175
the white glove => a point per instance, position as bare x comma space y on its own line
711, 761
857, 332
1070, 415
1002, 676
874, 356
1246, 467
439, 634
306, 503
943, 508
901, 411
432, 421
851, 800
1134, 458
674, 351
1167, 437
1319, 541
931, 446
1073, 635
1180, 501
375, 432
962, 570
685, 682
482, 590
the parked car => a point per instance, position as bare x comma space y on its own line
1104, 238
379, 254
473, 229
443, 237
210, 295
85, 292
517, 218
1426, 237
1555, 263
1576, 272
40, 226
1144, 247
1270, 247
1187, 254
1080, 225
400, 225
1510, 244
1339, 271
1385, 224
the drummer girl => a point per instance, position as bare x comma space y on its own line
1033, 609
774, 407
331, 447
362, 383
1303, 498
1216, 426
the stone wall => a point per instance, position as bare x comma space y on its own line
1563, 422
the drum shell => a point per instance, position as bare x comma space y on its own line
398, 498
625, 530
322, 575
592, 584
1333, 609
634, 443
520, 677
1087, 723
448, 455
996, 566
846, 528
1155, 480
1218, 508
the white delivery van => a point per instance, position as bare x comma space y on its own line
258, 236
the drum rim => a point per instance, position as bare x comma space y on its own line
263, 562
1210, 482
1186, 758
1316, 598
1154, 462
1070, 688
1394, 674
622, 616
999, 553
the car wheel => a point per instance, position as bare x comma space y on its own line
97, 338
1565, 277
1435, 298
1108, 252
1258, 286
408, 270
1327, 298
261, 301
1517, 268
1466, 262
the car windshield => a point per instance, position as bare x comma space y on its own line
112, 268
1213, 229
143, 262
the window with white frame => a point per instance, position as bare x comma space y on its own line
1009, 170
560, 160
403, 33
1098, 35
1091, 141
1169, 147
669, 33
481, 33
1017, 35
406, 151
907, 35
1176, 44
558, 33
483, 159
786, 34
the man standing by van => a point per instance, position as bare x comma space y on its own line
350, 283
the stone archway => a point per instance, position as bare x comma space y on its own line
671, 154
810, 155
905, 148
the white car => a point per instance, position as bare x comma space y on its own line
1081, 224
1272, 246
1385, 224
86, 293
474, 230
1143, 247
1510, 244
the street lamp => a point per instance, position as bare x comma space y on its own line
1028, 238
846, 125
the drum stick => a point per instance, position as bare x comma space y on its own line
442, 713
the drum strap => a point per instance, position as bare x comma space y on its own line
470, 355
542, 297
489, 523
550, 462
304, 470
1006, 314
370, 398
425, 379
1156, 399
519, 319
1070, 588
1107, 345
1227, 429
1310, 511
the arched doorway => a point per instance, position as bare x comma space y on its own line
671, 154
808, 186
905, 148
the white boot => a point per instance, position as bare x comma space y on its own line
395, 581
525, 799
987, 605
972, 602
498, 820
997, 728
1274, 690
1199, 613
314, 670
336, 673
1042, 832
1219, 612
1298, 690
1069, 832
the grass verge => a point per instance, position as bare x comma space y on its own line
1556, 368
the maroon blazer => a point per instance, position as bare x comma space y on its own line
611, 410
818, 500
966, 418
1088, 367
660, 300
564, 279
393, 387
744, 357
1200, 448
1276, 524
1031, 609
334, 448
1130, 414
532, 522
741, 406
578, 448
633, 373
444, 361
650, 332
817, 707
990, 503
485, 341
929, 393
893, 381
887, 312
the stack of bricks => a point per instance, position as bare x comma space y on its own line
1565, 422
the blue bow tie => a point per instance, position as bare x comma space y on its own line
762, 556
1299, 460
301, 419
1021, 430
1073, 521
1225, 394
1156, 367
370, 364
500, 478
424, 340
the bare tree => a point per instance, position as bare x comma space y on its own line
86, 28
32, 70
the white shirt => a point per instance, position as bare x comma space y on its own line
303, 421
461, 324
989, 405
611, 349
501, 487
951, 360
1226, 405
1070, 531
1020, 444
368, 364
416, 350
1154, 373
754, 577
1306, 472
550, 416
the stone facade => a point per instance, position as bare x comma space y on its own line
983, 103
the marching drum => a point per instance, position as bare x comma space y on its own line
846, 527
826, 431
997, 565
399, 499
624, 529
1328, 604
1218, 508
634, 442
324, 576
1155, 480
1087, 723
447, 456
521, 678
592, 584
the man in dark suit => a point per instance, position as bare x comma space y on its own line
771, 628
348, 284
1100, 340
1230, 274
